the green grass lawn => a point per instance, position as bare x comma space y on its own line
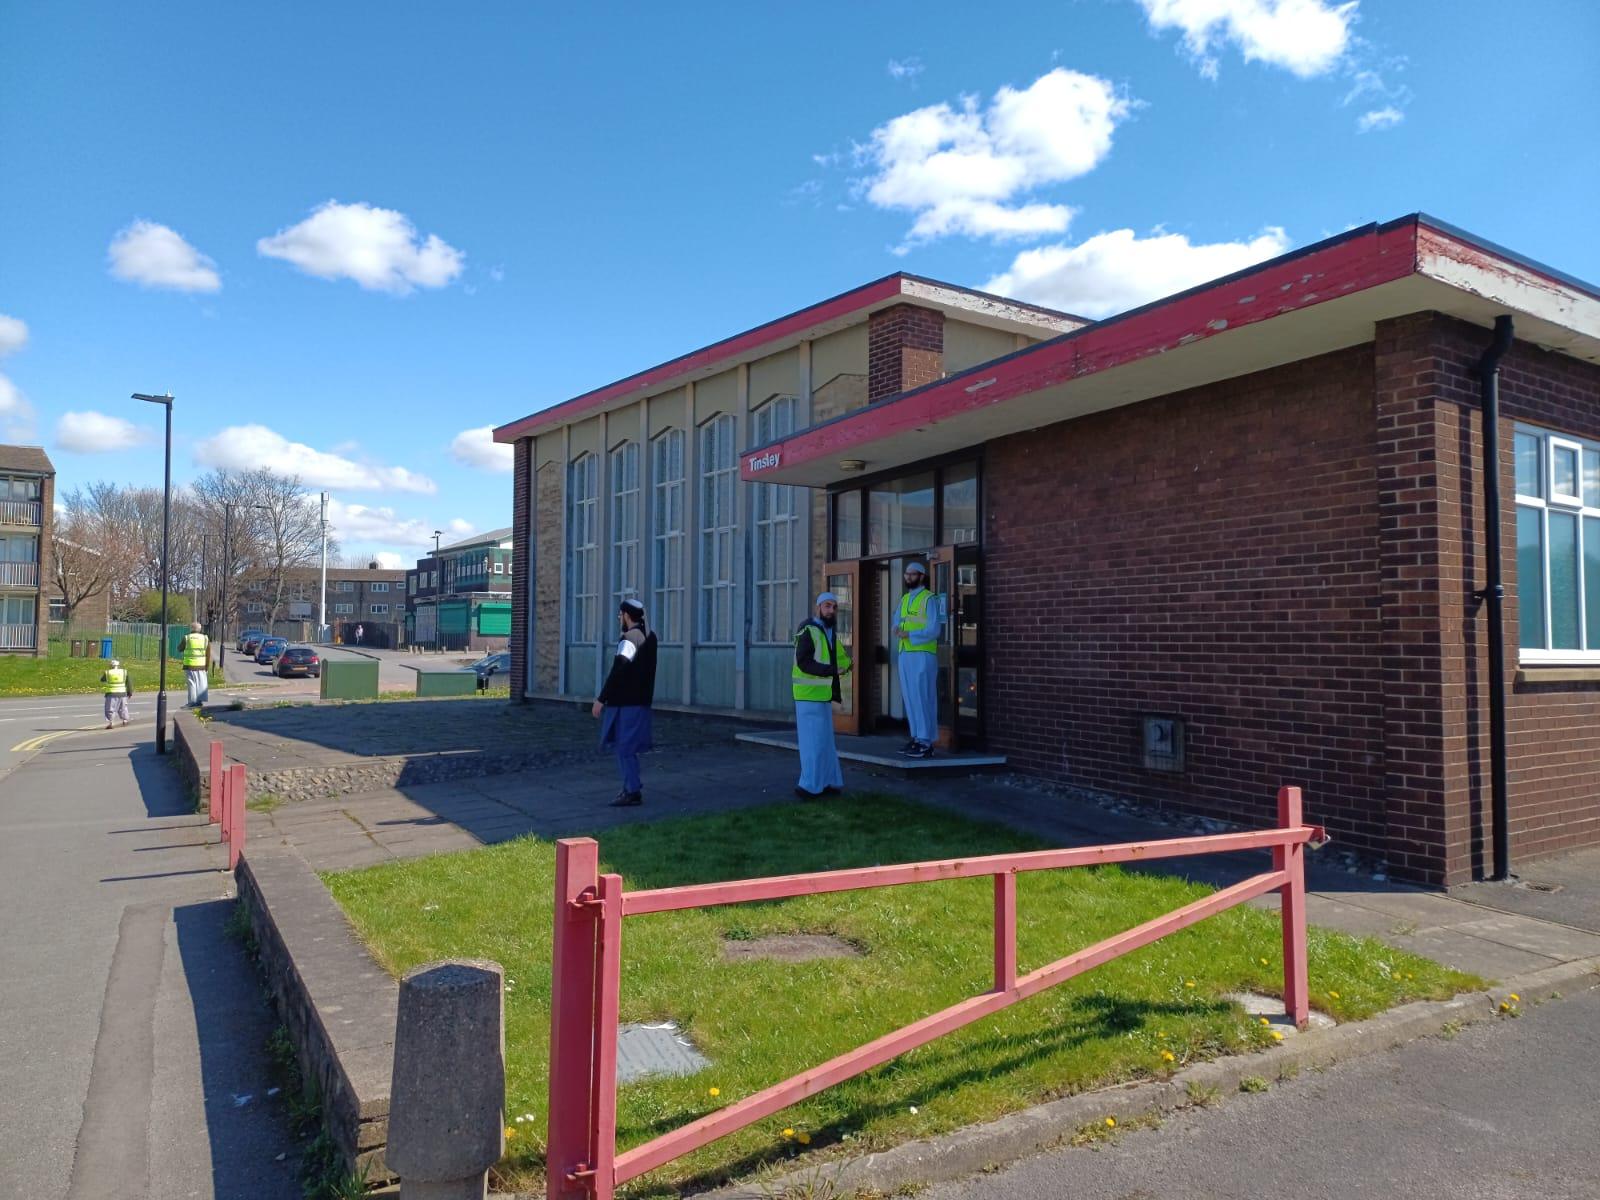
925, 946
27, 676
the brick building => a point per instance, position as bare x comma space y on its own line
1232, 539
372, 597
27, 502
459, 598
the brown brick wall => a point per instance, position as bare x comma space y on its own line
905, 349
1213, 555
1553, 728
522, 563
41, 613
548, 553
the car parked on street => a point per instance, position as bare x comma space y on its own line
267, 653
245, 635
251, 644
298, 660
491, 665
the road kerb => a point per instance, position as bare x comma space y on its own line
976, 1148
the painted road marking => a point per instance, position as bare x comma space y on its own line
34, 743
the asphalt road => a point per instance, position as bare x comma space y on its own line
25, 720
1507, 1110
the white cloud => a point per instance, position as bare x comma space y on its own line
376, 247
155, 256
16, 414
245, 447
1112, 272
477, 448
1380, 118
1304, 37
965, 170
373, 525
13, 335
904, 68
390, 561
98, 433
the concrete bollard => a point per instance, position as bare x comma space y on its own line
447, 1099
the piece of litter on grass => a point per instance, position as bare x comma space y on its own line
913, 1110
273, 1091
282, 1156
241, 1101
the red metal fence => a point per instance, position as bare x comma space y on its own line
227, 803
581, 1155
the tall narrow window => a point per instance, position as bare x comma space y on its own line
666, 470
583, 540
625, 579
777, 519
719, 519
1558, 546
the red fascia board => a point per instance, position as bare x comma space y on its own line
1346, 265
706, 357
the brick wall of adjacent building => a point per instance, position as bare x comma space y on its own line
523, 559
1211, 555
546, 577
905, 349
47, 564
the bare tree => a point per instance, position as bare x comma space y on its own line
79, 570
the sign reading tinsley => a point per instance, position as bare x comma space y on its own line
764, 462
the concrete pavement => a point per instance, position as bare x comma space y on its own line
1503, 1111
131, 1051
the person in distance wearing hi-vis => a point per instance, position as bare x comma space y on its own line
819, 661
917, 631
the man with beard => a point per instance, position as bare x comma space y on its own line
623, 706
819, 661
917, 630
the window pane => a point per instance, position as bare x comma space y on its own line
847, 525
1528, 465
1530, 578
1591, 478
1563, 471
1563, 581
900, 515
1591, 580
960, 504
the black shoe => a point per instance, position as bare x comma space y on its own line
628, 800
910, 745
832, 791
805, 795
920, 750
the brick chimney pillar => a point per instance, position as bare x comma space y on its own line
905, 349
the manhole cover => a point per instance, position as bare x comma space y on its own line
656, 1050
1531, 886
789, 947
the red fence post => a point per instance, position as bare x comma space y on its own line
221, 805
604, 1122
236, 794
1292, 861
574, 1013
216, 782
1005, 931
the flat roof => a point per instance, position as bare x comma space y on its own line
1311, 301
828, 316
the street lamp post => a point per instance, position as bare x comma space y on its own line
166, 577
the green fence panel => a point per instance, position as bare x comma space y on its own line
349, 679
446, 683
175, 636
494, 620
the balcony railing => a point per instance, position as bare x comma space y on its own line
17, 637
20, 512
19, 574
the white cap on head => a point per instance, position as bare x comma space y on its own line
826, 598
913, 565
116, 662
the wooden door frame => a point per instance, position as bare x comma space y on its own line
946, 555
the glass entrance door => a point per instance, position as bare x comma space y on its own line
844, 581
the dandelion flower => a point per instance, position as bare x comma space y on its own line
1188, 983
1333, 995
1264, 962
1276, 1036
1162, 1034
803, 1138
716, 1091
1166, 1056
1504, 1007
511, 1131
788, 1133
1111, 1122
1264, 1021
1514, 997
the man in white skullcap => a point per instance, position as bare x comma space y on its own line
623, 706
117, 688
819, 662
917, 630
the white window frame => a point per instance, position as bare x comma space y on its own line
1589, 641
716, 618
344, 609
378, 610
499, 568
622, 470
775, 576
670, 538
583, 552
377, 587
254, 606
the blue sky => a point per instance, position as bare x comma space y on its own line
609, 187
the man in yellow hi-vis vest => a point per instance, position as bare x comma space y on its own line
197, 664
819, 661
917, 633
114, 683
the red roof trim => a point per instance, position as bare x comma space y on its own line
1340, 267
841, 305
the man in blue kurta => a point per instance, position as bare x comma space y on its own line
917, 632
819, 661
624, 702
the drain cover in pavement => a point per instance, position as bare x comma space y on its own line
1271, 1007
656, 1050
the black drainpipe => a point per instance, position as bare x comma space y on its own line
1494, 592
